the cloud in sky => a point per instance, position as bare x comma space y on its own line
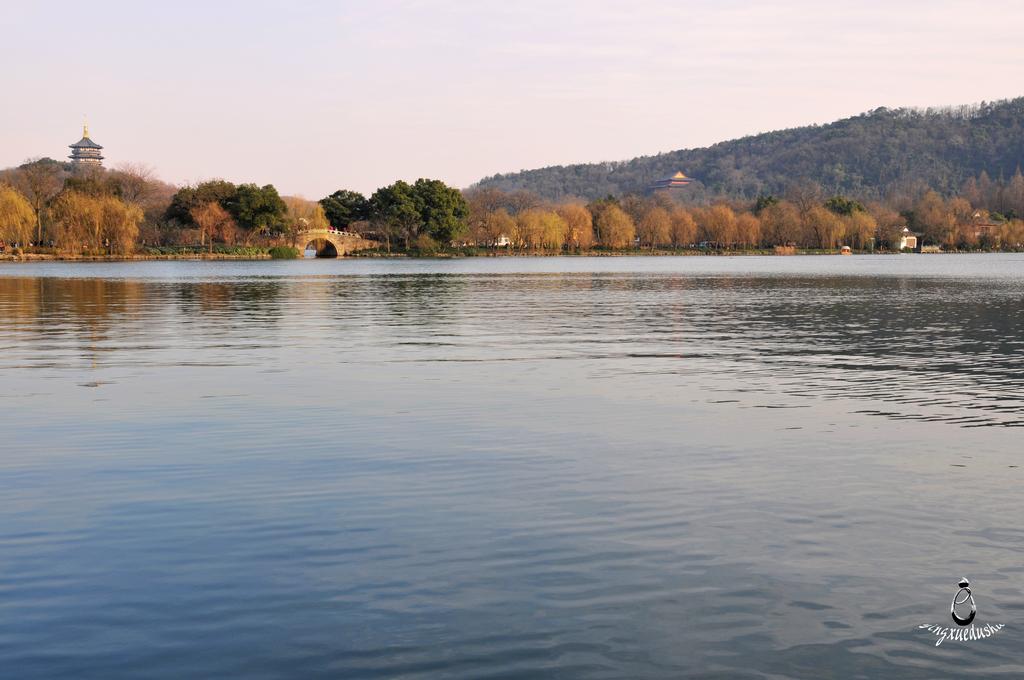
313, 96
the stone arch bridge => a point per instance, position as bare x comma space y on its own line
332, 242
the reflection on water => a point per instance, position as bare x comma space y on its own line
623, 467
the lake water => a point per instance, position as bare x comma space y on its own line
746, 467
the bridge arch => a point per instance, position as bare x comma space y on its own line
324, 247
331, 242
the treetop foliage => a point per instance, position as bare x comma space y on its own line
258, 209
841, 205
254, 208
344, 207
403, 211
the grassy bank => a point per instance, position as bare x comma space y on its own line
141, 256
145, 253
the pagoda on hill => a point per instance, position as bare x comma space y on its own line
86, 152
671, 182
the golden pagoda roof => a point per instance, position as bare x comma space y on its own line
85, 142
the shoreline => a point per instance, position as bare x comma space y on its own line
46, 257
220, 257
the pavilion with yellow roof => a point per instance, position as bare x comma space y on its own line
672, 182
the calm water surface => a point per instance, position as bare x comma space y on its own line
565, 467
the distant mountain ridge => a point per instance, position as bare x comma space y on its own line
863, 156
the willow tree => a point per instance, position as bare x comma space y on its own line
718, 224
932, 216
860, 228
556, 230
684, 229
1011, 234
120, 224
655, 227
78, 219
301, 215
825, 226
539, 228
614, 227
95, 223
781, 224
748, 230
580, 224
17, 218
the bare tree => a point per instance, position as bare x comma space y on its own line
805, 194
39, 179
137, 182
501, 227
932, 216
213, 220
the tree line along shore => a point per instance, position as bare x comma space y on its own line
52, 209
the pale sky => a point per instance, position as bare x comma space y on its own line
315, 96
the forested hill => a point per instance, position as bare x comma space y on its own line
862, 156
